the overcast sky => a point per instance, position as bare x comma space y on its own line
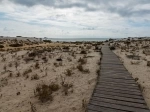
75, 18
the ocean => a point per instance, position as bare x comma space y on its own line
77, 39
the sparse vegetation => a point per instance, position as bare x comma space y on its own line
112, 48
83, 52
26, 72
54, 87
35, 77
1, 46
43, 92
16, 45
66, 88
68, 72
33, 108
37, 66
82, 60
81, 69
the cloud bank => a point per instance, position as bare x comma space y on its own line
75, 18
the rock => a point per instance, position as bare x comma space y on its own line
148, 63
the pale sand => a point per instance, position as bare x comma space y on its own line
139, 68
83, 83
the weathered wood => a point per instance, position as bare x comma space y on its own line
120, 102
119, 98
116, 90
102, 109
117, 85
117, 106
117, 79
119, 94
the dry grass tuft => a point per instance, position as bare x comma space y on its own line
33, 108
80, 68
54, 87
43, 92
35, 77
83, 52
68, 72
82, 60
26, 72
66, 88
37, 65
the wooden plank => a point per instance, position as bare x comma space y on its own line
117, 85
130, 104
104, 63
116, 70
119, 98
112, 63
123, 84
112, 67
116, 90
103, 109
92, 111
117, 79
119, 94
120, 83
116, 73
117, 106
119, 88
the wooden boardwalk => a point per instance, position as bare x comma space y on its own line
116, 90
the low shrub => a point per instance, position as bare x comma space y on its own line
43, 92
112, 48
1, 46
16, 45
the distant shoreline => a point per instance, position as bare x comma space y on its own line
76, 39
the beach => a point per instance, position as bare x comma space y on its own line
39, 76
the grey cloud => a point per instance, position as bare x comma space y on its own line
126, 9
30, 3
88, 28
